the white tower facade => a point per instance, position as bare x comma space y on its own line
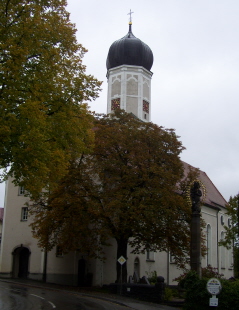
129, 77
129, 88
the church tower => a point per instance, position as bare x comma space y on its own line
129, 77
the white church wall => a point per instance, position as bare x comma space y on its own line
210, 217
16, 233
109, 270
64, 269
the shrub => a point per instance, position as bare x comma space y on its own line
152, 277
211, 272
197, 297
168, 294
207, 272
229, 296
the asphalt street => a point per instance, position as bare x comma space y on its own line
31, 295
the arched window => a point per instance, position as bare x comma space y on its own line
209, 245
136, 270
223, 252
230, 258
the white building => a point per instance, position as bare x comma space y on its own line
129, 87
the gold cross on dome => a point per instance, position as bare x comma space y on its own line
130, 18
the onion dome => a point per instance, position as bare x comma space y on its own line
129, 51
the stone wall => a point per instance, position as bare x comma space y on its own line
152, 293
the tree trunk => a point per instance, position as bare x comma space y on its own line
121, 269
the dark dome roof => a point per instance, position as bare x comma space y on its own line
129, 51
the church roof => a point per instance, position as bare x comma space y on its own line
213, 197
129, 50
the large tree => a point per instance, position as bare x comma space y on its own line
127, 189
231, 240
44, 121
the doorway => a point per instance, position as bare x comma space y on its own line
20, 262
81, 272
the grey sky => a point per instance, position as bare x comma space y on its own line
195, 83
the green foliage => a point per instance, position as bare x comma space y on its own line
229, 296
168, 294
231, 232
231, 239
152, 277
207, 272
211, 272
197, 297
44, 121
126, 189
236, 262
185, 277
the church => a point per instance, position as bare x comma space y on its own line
129, 75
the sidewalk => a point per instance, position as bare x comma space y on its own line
126, 301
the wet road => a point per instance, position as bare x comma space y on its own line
20, 297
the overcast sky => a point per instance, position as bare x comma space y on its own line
195, 83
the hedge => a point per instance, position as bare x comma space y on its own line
197, 297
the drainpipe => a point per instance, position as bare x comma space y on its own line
217, 243
44, 267
168, 267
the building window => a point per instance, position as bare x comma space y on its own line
136, 275
171, 259
229, 223
59, 251
223, 253
230, 258
24, 214
150, 256
21, 191
222, 219
209, 245
115, 104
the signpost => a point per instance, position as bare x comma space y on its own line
121, 260
213, 287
